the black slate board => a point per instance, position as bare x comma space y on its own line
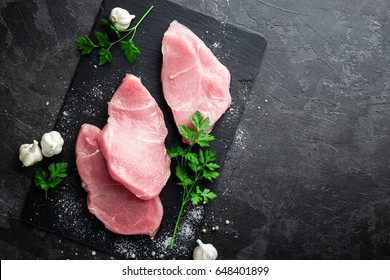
65, 212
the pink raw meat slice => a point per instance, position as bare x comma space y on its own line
132, 141
119, 210
192, 77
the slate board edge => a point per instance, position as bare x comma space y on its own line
64, 102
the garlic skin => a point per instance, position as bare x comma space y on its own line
51, 143
121, 18
204, 251
30, 154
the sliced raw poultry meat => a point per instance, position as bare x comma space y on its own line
119, 210
192, 77
132, 141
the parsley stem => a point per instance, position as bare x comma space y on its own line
133, 29
129, 31
186, 197
141, 19
201, 164
177, 223
139, 22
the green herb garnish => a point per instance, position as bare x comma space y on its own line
46, 180
192, 167
130, 51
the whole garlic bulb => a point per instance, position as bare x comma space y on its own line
51, 143
30, 154
204, 251
121, 18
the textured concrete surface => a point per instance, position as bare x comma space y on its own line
311, 155
38, 59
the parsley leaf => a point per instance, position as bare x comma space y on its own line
202, 195
212, 166
200, 123
210, 155
58, 170
130, 50
194, 167
196, 196
199, 134
102, 38
175, 151
201, 156
110, 28
203, 139
45, 180
40, 178
104, 56
187, 132
192, 158
210, 175
208, 195
181, 173
85, 45
196, 119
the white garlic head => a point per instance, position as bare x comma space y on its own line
30, 154
51, 143
204, 251
121, 18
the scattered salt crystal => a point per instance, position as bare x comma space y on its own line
216, 45
97, 92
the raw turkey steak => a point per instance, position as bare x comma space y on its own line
192, 77
119, 210
132, 141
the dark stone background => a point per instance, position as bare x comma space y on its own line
312, 151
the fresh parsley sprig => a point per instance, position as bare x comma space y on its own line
46, 180
129, 49
193, 167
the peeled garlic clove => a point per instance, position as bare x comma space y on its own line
204, 251
51, 143
30, 154
121, 18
